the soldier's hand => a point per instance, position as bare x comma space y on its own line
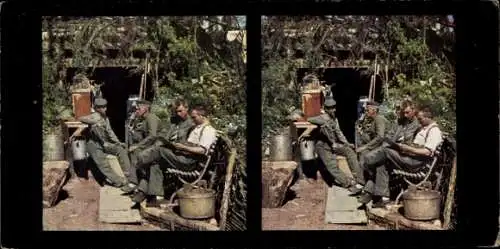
132, 148
360, 149
351, 145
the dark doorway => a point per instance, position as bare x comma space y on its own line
118, 83
348, 84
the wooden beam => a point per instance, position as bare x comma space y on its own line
171, 221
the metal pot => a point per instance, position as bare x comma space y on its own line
307, 150
196, 203
421, 204
79, 149
281, 148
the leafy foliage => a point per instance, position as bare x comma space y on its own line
418, 49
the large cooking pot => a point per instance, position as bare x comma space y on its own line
421, 204
307, 150
281, 148
78, 148
196, 203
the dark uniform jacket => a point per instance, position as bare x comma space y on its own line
329, 129
100, 128
146, 130
373, 131
178, 130
404, 132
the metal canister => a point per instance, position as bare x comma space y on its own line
307, 150
78, 148
281, 148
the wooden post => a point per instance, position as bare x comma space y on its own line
227, 189
450, 197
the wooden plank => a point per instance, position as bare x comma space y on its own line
300, 125
173, 222
394, 220
116, 208
342, 208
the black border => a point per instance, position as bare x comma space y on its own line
477, 43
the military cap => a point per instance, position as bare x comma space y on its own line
100, 102
329, 102
372, 103
143, 102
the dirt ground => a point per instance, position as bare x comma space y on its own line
78, 208
305, 210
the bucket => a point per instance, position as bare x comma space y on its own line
281, 148
196, 203
421, 205
53, 148
307, 150
78, 149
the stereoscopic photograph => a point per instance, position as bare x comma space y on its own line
144, 123
358, 123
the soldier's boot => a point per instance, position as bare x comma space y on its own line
139, 197
128, 188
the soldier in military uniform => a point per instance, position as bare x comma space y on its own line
402, 132
180, 124
143, 135
102, 141
331, 142
372, 130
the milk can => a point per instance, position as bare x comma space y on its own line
78, 148
307, 150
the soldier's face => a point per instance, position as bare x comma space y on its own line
330, 110
101, 110
197, 117
141, 109
408, 113
181, 112
371, 111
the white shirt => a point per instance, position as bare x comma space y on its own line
204, 139
434, 137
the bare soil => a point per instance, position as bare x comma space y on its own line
305, 210
77, 209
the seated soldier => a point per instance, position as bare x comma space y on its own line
102, 140
373, 130
151, 180
183, 156
408, 157
330, 141
403, 132
143, 134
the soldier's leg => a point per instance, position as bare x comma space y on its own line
124, 160
146, 157
368, 162
155, 181
326, 155
97, 154
402, 161
179, 162
394, 159
352, 161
